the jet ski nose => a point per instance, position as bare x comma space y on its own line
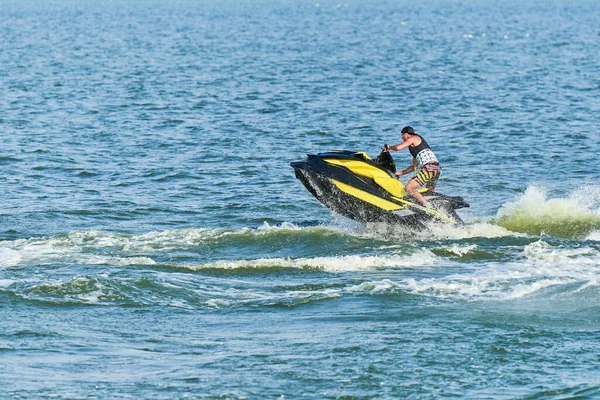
459, 202
300, 167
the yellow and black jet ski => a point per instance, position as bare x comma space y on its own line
366, 190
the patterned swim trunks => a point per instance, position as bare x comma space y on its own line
428, 175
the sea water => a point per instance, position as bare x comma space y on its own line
154, 242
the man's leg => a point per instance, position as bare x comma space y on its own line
411, 188
432, 182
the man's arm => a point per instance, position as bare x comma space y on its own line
408, 142
399, 146
413, 167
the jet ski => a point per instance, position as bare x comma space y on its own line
366, 190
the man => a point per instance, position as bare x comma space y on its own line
423, 158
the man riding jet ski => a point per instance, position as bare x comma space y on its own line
424, 158
366, 190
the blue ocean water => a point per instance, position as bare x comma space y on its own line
154, 242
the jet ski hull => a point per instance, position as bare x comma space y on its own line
360, 198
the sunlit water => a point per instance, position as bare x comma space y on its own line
154, 242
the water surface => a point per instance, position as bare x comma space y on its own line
154, 242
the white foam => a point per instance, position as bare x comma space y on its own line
385, 285
180, 304
331, 264
469, 231
542, 266
434, 231
595, 236
9, 257
54, 249
588, 196
6, 282
533, 212
82, 246
484, 287
48, 250
461, 250
522, 290
133, 261
454, 287
534, 203
560, 261
88, 290
123, 261
217, 303
20, 251
170, 239
146, 242
91, 297
285, 226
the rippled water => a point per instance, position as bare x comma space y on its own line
154, 242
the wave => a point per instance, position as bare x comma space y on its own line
330, 264
533, 213
76, 290
575, 217
551, 275
57, 250
109, 291
98, 247
347, 248
357, 247
542, 266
